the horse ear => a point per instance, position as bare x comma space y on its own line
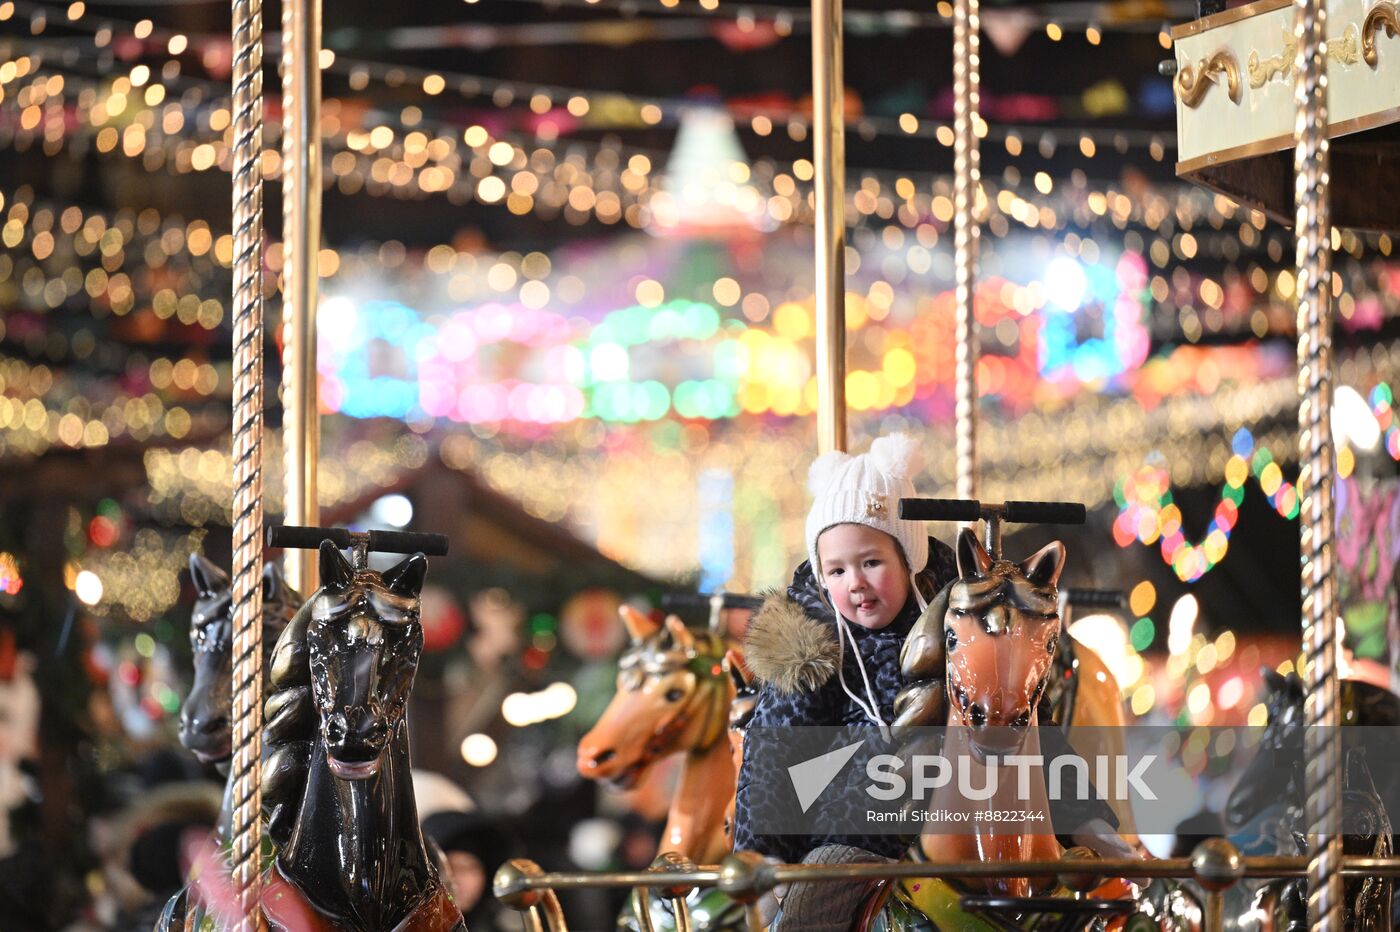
336, 573
406, 578
973, 559
274, 582
1273, 679
680, 634
208, 579
639, 625
1043, 567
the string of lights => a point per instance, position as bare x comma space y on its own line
554, 108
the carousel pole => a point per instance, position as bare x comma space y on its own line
1316, 472
829, 160
247, 457
966, 177
301, 240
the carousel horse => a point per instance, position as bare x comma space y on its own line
675, 695
979, 660
336, 788
205, 715
1266, 816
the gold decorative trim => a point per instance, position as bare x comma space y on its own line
1287, 141
1226, 17
1344, 50
1383, 15
1340, 49
1192, 83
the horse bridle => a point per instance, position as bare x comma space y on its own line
650, 659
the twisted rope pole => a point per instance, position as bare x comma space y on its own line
966, 176
1315, 477
247, 457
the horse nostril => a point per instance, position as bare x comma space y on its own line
213, 725
602, 757
378, 731
978, 715
335, 729
1022, 720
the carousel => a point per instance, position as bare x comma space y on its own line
305, 660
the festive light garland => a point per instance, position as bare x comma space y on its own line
588, 107
1147, 514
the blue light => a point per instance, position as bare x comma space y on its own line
716, 543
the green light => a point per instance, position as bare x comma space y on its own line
688, 399
1144, 632
145, 645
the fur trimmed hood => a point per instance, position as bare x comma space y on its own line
787, 648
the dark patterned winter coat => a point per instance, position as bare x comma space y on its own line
791, 648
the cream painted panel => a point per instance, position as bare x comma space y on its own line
1267, 111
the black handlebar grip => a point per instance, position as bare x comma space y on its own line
430, 545
309, 538
1096, 598
1045, 513
939, 509
306, 538
700, 600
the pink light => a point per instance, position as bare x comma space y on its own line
457, 341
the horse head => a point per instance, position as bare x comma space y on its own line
1274, 775
205, 716
363, 641
672, 694
1001, 631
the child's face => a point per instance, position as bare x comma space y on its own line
864, 573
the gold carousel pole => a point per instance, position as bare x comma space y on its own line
829, 160
966, 176
1316, 472
247, 456
301, 240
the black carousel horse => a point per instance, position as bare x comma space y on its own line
337, 791
206, 714
337, 786
1265, 810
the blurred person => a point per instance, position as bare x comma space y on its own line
475, 846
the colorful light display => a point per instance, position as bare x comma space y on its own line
1147, 514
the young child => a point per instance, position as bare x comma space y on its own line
827, 650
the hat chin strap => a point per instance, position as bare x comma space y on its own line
869, 705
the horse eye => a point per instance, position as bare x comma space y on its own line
950, 639
1051, 644
674, 695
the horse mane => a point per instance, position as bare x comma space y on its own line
923, 700
289, 728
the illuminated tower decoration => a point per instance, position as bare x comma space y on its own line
705, 189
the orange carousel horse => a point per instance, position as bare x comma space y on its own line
980, 660
673, 697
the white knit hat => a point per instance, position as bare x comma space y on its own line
866, 490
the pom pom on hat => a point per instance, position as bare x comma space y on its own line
823, 470
866, 489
